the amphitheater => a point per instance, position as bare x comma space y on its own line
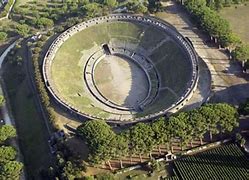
121, 68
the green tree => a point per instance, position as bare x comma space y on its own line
161, 133
120, 147
10, 170
7, 153
228, 117
92, 9
179, 128
110, 3
22, 29
241, 52
3, 36
44, 22
99, 137
198, 123
2, 100
141, 139
6, 132
211, 119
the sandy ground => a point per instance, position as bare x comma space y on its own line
121, 81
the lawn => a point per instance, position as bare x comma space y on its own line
237, 15
31, 127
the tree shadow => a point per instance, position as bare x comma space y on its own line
235, 94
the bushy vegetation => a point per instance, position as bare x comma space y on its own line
3, 36
217, 28
9, 168
227, 161
142, 138
219, 4
244, 108
67, 165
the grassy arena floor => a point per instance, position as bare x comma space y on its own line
238, 18
67, 66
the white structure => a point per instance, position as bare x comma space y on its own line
185, 44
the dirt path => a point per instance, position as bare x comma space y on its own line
229, 84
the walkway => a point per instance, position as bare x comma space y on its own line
229, 84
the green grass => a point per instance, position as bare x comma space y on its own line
224, 162
31, 127
238, 18
68, 64
175, 73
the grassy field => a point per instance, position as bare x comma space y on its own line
224, 162
68, 64
31, 127
238, 18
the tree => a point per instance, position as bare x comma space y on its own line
198, 123
7, 153
6, 132
120, 147
231, 41
228, 117
241, 52
141, 139
10, 170
3, 36
44, 22
179, 128
161, 134
110, 3
22, 29
2, 100
92, 9
244, 107
99, 137
211, 119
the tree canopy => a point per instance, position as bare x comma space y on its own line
6, 132
142, 138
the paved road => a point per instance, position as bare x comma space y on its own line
229, 84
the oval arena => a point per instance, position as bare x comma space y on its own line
121, 68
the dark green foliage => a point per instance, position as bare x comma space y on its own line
226, 162
3, 36
9, 168
7, 153
105, 176
244, 107
241, 52
209, 20
2, 100
142, 138
23, 29
6, 132
100, 139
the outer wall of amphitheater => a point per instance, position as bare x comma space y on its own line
117, 17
